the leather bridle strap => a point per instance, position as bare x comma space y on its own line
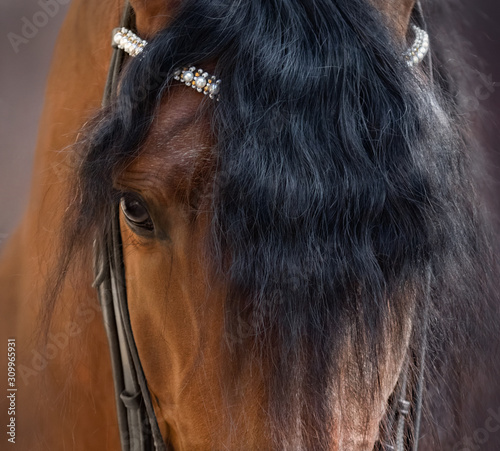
117, 57
139, 430
407, 436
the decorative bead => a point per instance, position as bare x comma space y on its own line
188, 76
201, 82
213, 89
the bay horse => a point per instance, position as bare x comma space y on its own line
290, 248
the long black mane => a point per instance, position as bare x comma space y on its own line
342, 175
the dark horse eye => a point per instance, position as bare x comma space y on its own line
136, 212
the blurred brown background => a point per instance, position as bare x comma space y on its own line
23, 74
24, 68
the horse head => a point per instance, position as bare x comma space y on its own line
278, 240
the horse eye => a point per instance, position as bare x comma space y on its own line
136, 212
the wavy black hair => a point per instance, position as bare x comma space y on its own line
342, 176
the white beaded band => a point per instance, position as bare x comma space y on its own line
128, 42
209, 85
416, 53
199, 80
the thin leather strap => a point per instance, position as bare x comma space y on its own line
117, 57
137, 422
421, 365
103, 285
425, 317
143, 426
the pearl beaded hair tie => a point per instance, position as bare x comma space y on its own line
416, 53
209, 85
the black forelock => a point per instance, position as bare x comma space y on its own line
341, 176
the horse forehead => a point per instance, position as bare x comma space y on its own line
178, 139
